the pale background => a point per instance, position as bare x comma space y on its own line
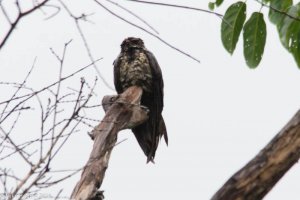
219, 113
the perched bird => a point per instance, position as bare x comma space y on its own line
136, 66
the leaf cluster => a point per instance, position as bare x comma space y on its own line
282, 13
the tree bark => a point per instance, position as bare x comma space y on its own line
122, 111
258, 177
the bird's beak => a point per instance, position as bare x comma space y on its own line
134, 47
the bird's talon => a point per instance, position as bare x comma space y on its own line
145, 108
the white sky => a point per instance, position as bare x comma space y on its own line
219, 114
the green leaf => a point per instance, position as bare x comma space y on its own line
254, 39
232, 25
219, 2
280, 5
289, 32
266, 1
211, 6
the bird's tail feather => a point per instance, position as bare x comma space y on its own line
148, 135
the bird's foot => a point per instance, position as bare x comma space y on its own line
145, 108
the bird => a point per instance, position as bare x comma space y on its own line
137, 66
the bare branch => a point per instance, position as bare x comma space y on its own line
60, 127
178, 6
86, 45
18, 88
133, 14
5, 13
17, 20
61, 61
15, 146
146, 31
30, 95
57, 10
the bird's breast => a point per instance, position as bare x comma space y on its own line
135, 70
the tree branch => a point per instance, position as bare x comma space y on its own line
124, 112
259, 176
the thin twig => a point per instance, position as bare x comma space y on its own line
133, 14
17, 20
86, 45
47, 87
15, 146
61, 61
145, 30
5, 13
47, 184
47, 156
178, 6
12, 127
19, 87
57, 196
54, 13
277, 10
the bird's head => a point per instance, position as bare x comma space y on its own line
132, 43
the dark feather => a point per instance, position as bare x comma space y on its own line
158, 95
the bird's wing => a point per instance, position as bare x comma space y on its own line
117, 81
158, 96
158, 83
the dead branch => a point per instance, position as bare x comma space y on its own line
125, 112
259, 176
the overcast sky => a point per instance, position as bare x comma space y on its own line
219, 113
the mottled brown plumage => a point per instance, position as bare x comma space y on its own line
135, 65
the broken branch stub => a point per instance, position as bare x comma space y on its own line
122, 111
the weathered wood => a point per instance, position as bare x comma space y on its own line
258, 177
122, 111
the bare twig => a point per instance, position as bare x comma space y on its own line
57, 10
146, 31
17, 20
18, 88
5, 13
12, 127
178, 6
16, 146
86, 45
133, 14
48, 183
50, 145
49, 86
61, 63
